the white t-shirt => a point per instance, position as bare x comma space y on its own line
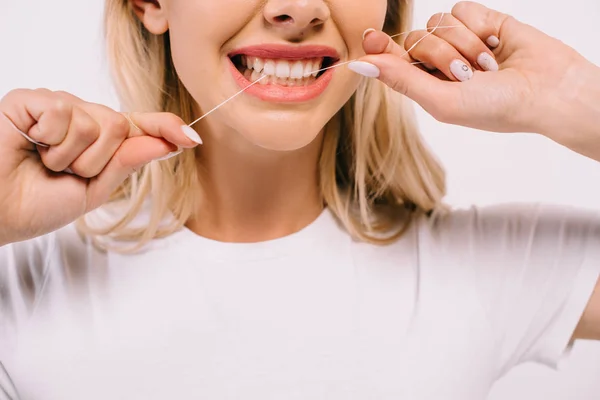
440, 314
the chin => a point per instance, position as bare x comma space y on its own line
281, 135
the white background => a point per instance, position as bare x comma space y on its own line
58, 44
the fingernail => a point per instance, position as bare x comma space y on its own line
461, 71
367, 32
170, 155
493, 41
487, 62
191, 134
365, 69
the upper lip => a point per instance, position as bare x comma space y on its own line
287, 52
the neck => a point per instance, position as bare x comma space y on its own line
253, 194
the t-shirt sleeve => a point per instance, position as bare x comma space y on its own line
23, 273
534, 268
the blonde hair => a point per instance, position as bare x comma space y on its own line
376, 174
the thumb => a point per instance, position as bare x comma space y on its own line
133, 154
428, 91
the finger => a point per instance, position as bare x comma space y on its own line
377, 42
114, 129
420, 86
484, 22
53, 123
465, 41
133, 154
37, 114
164, 125
439, 53
83, 131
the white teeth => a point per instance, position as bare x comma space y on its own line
281, 72
269, 68
282, 69
316, 65
297, 71
255, 75
307, 70
259, 64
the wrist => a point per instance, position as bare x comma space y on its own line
572, 117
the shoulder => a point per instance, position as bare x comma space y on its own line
508, 220
33, 268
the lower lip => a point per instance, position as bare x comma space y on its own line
283, 94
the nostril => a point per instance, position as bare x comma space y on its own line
283, 18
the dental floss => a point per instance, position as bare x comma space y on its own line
26, 136
438, 26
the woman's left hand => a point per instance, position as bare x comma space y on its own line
490, 72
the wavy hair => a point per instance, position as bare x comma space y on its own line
376, 173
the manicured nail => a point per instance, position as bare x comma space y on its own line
365, 69
493, 41
191, 134
487, 62
170, 155
461, 71
367, 32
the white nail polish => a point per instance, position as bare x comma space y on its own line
365, 69
191, 134
487, 62
170, 155
493, 41
367, 32
461, 71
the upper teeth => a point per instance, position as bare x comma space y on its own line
283, 68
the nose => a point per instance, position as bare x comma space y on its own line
296, 18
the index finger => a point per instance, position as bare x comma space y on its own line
163, 125
377, 42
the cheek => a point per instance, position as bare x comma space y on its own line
356, 16
198, 30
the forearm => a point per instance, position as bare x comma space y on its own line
573, 119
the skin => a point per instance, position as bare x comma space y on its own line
260, 159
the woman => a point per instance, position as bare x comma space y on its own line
303, 250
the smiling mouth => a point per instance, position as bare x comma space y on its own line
282, 72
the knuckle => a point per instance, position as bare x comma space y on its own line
42, 91
15, 94
53, 161
435, 20
85, 170
117, 125
61, 107
398, 85
461, 7
88, 130
411, 39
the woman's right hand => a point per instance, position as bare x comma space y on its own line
98, 146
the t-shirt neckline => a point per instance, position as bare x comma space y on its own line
318, 230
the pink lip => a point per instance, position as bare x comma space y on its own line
283, 94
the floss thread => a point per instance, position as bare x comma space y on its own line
438, 26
